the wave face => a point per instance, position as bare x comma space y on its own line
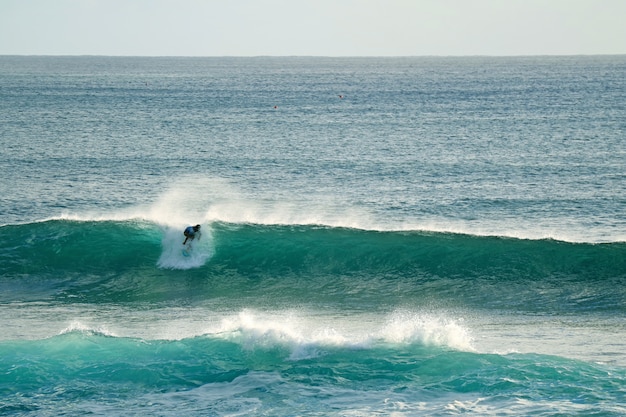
129, 261
109, 315
223, 375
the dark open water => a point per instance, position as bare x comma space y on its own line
447, 237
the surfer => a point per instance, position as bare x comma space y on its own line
190, 232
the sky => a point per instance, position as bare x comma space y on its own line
312, 27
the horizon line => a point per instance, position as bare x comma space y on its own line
315, 56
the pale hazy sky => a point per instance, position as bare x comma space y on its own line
312, 27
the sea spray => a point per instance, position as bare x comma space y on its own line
303, 333
427, 328
446, 239
194, 254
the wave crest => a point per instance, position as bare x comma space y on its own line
305, 337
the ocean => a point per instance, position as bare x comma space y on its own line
428, 236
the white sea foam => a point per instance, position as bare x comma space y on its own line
176, 256
306, 335
192, 199
428, 329
78, 326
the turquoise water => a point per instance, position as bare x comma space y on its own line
397, 236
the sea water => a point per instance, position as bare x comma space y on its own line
381, 236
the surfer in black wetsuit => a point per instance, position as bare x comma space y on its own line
190, 232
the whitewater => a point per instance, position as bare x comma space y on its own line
380, 236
